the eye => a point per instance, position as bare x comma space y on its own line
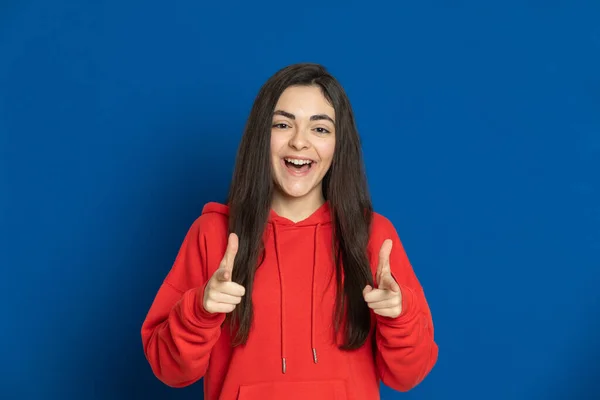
322, 130
281, 125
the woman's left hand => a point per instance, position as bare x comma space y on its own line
386, 300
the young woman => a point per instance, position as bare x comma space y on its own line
296, 288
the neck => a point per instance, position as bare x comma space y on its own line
297, 208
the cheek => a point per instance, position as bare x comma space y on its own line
275, 144
326, 151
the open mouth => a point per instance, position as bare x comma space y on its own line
298, 165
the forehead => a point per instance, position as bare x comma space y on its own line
308, 99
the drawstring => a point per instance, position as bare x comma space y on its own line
283, 365
312, 310
282, 294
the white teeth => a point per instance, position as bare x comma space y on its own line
298, 162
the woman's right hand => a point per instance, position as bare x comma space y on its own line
221, 294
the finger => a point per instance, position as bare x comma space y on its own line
378, 295
232, 289
230, 252
384, 258
219, 297
389, 283
388, 303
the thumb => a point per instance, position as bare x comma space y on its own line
389, 283
226, 268
223, 275
383, 265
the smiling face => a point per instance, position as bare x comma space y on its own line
302, 143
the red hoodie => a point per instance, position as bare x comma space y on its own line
293, 301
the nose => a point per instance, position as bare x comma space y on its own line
299, 140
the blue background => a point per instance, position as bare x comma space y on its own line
481, 130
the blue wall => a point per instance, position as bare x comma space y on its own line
481, 128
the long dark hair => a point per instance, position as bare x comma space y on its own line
344, 187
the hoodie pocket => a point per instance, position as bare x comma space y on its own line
314, 390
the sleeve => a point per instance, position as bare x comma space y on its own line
178, 334
405, 348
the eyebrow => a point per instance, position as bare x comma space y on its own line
317, 117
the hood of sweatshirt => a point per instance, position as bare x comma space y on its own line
315, 222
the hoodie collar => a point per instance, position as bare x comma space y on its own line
320, 216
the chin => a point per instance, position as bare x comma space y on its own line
296, 193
